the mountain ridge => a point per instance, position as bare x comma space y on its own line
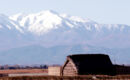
49, 30
48, 20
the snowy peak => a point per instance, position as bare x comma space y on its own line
37, 18
46, 21
38, 23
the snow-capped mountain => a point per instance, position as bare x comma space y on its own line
50, 29
43, 22
62, 28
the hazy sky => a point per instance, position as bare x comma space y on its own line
101, 11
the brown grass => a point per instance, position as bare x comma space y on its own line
23, 71
86, 77
83, 77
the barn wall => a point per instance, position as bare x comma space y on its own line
54, 70
69, 69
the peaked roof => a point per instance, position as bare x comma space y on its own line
92, 63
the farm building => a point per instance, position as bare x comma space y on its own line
122, 69
84, 64
54, 70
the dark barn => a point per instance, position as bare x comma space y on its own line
122, 69
85, 64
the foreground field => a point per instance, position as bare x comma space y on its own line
89, 77
20, 75
15, 71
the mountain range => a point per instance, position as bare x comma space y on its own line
48, 37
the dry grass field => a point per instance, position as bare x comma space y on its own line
87, 77
23, 71
45, 77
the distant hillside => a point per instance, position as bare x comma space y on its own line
57, 55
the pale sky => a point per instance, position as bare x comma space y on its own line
101, 11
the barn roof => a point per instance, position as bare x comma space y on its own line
92, 63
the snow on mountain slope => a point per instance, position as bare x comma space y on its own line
5, 22
46, 21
